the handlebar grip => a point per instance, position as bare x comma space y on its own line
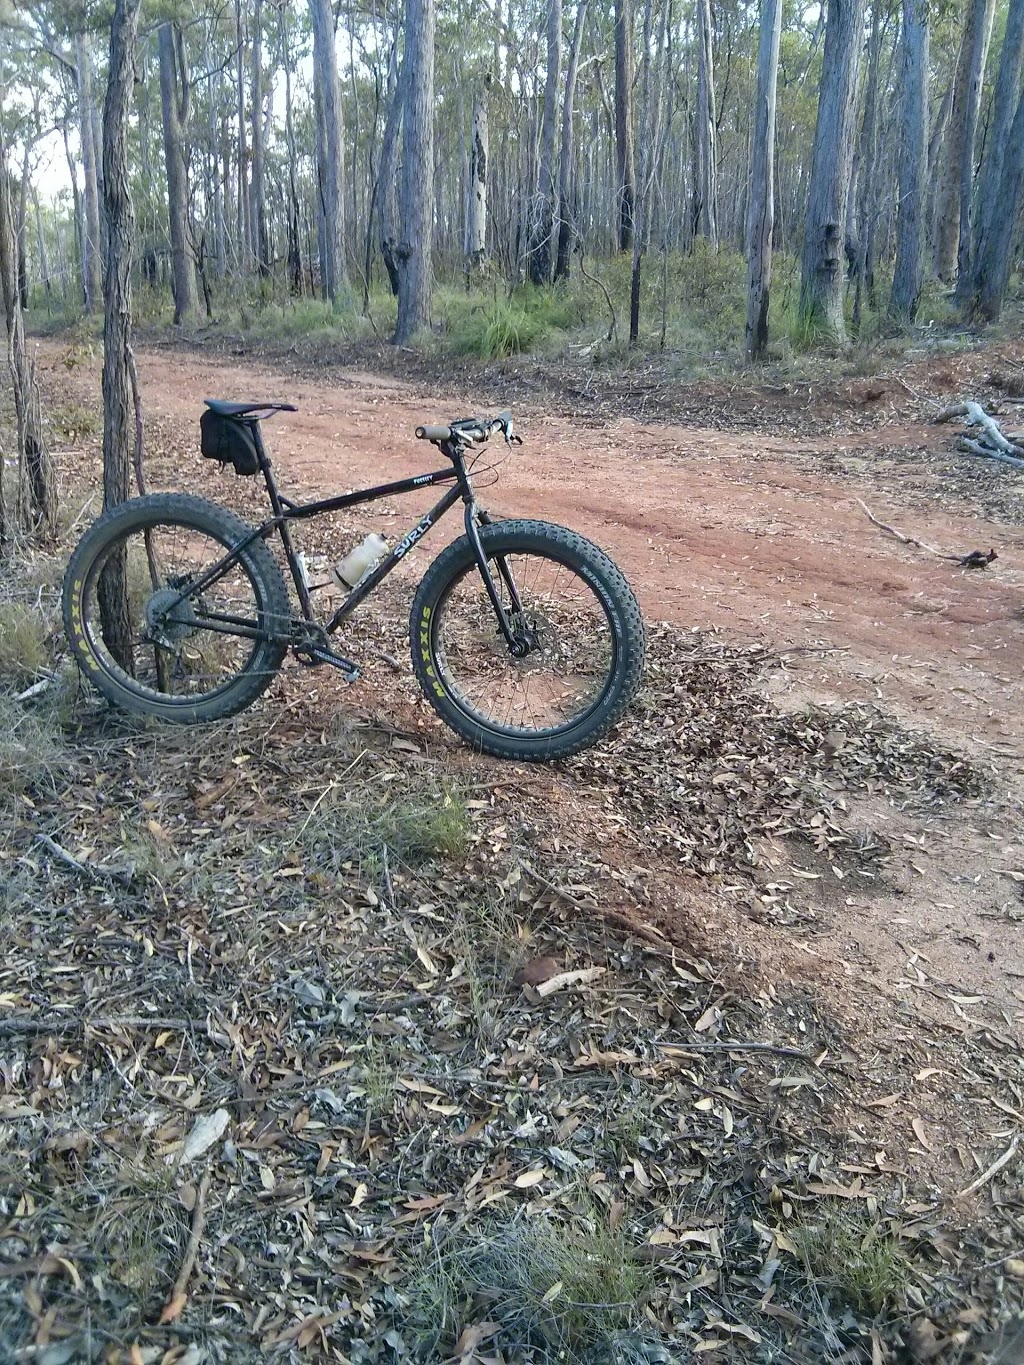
433, 433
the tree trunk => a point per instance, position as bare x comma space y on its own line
907, 274
625, 159
998, 145
761, 219
994, 260
79, 211
476, 197
44, 262
821, 285
242, 227
37, 496
868, 197
417, 205
92, 260
705, 216
542, 227
258, 208
387, 176
646, 165
217, 183
567, 229
185, 299
330, 152
953, 209
119, 415
294, 247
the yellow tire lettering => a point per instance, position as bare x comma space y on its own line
425, 651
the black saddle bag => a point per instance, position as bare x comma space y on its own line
229, 441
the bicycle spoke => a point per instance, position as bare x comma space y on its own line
569, 645
173, 653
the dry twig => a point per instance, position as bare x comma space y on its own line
174, 1305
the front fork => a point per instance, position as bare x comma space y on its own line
475, 518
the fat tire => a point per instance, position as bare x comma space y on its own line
197, 514
598, 571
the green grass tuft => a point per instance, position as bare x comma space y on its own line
366, 833
569, 1289
855, 1260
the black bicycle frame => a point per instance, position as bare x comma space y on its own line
285, 511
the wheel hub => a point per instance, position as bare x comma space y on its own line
169, 617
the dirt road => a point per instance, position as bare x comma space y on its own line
758, 536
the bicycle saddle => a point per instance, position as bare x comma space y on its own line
225, 409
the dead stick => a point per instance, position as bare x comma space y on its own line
994, 1169
192, 1250
907, 540
735, 1045
94, 874
34, 1024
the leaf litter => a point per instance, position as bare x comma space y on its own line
403, 1148
424, 1157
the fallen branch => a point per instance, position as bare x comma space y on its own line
948, 413
94, 874
174, 1305
34, 1024
974, 559
994, 1169
907, 540
975, 448
978, 417
734, 1045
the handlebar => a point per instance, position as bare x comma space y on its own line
468, 430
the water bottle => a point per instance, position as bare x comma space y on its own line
358, 562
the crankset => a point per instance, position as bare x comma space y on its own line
311, 646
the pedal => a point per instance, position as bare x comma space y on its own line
349, 671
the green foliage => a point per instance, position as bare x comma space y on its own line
570, 1288
367, 831
854, 1260
506, 327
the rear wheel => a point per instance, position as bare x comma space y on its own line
184, 654
579, 649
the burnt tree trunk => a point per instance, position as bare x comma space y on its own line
36, 496
705, 189
417, 202
625, 158
999, 145
387, 176
821, 278
476, 194
119, 413
258, 207
330, 153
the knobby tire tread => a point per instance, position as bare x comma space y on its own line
576, 552
219, 523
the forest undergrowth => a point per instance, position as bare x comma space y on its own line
322, 1038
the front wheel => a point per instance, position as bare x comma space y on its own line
579, 650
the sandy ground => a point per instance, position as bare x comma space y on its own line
761, 537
